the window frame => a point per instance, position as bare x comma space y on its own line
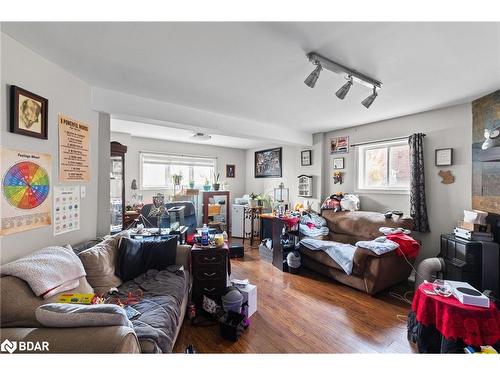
172, 155
361, 174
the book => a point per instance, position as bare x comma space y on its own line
80, 298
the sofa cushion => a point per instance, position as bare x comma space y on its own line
161, 308
136, 257
67, 315
19, 302
100, 263
364, 225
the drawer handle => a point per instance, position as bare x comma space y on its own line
209, 259
209, 274
208, 289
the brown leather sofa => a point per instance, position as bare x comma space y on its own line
18, 321
371, 273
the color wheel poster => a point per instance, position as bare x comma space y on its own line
66, 209
25, 202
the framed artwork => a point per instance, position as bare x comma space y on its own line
268, 163
338, 163
305, 158
444, 156
230, 170
339, 145
28, 113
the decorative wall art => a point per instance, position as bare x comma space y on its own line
268, 163
28, 113
230, 171
25, 190
74, 159
338, 163
447, 177
444, 157
339, 145
66, 209
305, 158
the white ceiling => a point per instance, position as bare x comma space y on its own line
146, 130
256, 71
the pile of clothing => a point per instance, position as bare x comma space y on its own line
313, 225
341, 202
398, 239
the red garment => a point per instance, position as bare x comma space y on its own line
454, 320
290, 221
407, 245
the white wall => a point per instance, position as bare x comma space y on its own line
448, 127
68, 95
291, 169
224, 155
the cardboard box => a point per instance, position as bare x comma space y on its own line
250, 295
474, 227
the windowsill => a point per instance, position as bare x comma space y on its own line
383, 191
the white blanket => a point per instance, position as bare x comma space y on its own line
341, 253
379, 245
47, 269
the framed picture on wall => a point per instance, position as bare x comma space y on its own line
338, 163
339, 145
230, 170
268, 163
444, 156
28, 113
305, 158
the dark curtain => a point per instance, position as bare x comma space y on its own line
418, 207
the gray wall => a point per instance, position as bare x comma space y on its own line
448, 127
103, 216
68, 95
224, 155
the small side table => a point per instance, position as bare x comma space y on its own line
252, 214
444, 324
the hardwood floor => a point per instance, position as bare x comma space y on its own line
306, 313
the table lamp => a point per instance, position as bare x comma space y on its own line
281, 196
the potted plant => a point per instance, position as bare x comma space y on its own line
177, 179
216, 184
206, 186
253, 202
191, 184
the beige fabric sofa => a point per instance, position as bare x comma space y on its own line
18, 322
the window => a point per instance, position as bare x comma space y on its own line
157, 170
384, 166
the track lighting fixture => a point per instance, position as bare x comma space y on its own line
353, 76
313, 77
342, 92
369, 100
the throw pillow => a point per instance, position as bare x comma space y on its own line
136, 257
73, 315
100, 262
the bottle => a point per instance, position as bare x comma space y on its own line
204, 235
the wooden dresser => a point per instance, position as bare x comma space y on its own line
209, 269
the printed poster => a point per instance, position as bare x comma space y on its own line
66, 209
74, 163
26, 192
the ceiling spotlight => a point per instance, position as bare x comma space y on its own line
369, 100
313, 77
342, 92
201, 136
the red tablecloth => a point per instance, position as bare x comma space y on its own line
473, 325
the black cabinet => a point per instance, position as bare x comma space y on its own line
474, 262
209, 270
